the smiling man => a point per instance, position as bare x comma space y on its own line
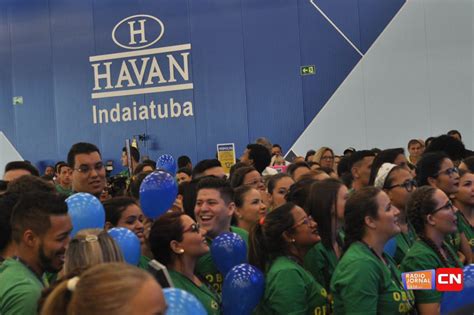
214, 209
40, 230
88, 171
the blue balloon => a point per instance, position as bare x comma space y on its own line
157, 193
181, 302
86, 212
391, 247
460, 302
228, 250
166, 162
129, 244
243, 289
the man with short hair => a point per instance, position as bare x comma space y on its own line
16, 169
415, 149
455, 134
207, 168
360, 164
40, 229
296, 170
88, 171
259, 157
185, 161
135, 160
183, 175
214, 210
64, 179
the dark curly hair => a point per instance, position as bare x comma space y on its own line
419, 206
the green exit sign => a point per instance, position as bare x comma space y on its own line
308, 70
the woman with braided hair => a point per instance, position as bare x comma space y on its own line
366, 280
437, 170
278, 244
431, 213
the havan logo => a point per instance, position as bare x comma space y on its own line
140, 71
137, 31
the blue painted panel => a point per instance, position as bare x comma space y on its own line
374, 18
333, 56
72, 42
6, 108
219, 77
344, 14
272, 70
32, 79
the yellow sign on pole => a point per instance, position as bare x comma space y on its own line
226, 155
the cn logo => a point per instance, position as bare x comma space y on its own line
449, 279
138, 31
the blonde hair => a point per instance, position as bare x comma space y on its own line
103, 289
319, 154
88, 248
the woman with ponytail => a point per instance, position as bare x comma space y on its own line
432, 215
278, 244
112, 288
326, 202
366, 280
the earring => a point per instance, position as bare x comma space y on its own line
181, 251
293, 240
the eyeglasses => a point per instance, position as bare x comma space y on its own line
307, 220
448, 205
86, 169
449, 171
255, 182
195, 228
408, 185
327, 158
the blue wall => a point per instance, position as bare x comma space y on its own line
244, 64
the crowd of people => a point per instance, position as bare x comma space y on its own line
317, 227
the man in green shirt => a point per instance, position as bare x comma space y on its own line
64, 179
40, 230
213, 210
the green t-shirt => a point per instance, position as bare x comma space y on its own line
209, 300
20, 289
465, 227
207, 271
404, 242
290, 289
422, 257
363, 284
143, 262
63, 191
321, 262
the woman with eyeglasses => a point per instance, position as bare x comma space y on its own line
398, 183
437, 170
366, 280
278, 245
249, 207
464, 202
324, 157
177, 242
432, 215
326, 202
